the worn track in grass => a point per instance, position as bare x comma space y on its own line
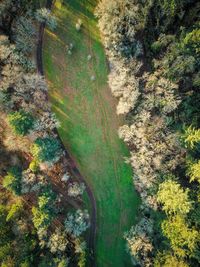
86, 110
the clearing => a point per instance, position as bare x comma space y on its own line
89, 124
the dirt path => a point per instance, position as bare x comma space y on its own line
72, 166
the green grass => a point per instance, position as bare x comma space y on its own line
86, 110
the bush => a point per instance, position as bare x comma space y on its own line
21, 122
194, 172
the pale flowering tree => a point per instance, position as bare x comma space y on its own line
58, 242
44, 15
77, 223
75, 189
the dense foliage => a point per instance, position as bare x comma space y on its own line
153, 49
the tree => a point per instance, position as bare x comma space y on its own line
139, 242
58, 241
45, 212
21, 122
14, 210
12, 181
76, 223
44, 15
194, 172
166, 259
75, 189
34, 166
183, 239
46, 149
173, 198
192, 41
191, 137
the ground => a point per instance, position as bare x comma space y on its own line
89, 124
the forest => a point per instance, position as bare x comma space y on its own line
153, 49
134, 84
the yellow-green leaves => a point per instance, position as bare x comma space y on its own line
174, 199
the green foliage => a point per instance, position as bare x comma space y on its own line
183, 239
194, 171
41, 219
34, 166
46, 149
63, 263
14, 210
191, 137
162, 42
174, 198
192, 41
12, 181
172, 7
166, 259
45, 212
5, 251
21, 122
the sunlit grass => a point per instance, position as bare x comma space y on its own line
86, 110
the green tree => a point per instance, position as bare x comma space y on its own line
12, 181
21, 122
194, 172
174, 198
166, 259
34, 166
183, 239
14, 210
192, 41
46, 149
45, 212
191, 137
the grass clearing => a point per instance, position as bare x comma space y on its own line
89, 124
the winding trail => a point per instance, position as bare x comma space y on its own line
72, 165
